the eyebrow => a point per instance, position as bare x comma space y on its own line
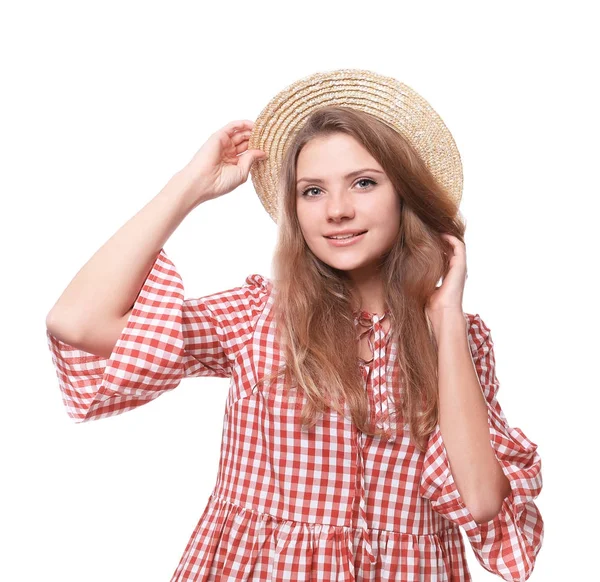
350, 175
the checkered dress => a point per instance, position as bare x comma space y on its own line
327, 503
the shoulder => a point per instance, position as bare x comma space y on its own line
249, 297
256, 280
254, 284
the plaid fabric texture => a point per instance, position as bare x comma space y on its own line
290, 503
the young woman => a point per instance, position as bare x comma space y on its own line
362, 427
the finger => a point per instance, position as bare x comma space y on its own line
242, 147
240, 137
239, 125
246, 161
457, 245
450, 238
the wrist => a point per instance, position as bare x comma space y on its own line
186, 191
448, 318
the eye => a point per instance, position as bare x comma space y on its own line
371, 182
305, 192
367, 180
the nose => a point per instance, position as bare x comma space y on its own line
339, 206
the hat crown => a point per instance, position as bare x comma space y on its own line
385, 98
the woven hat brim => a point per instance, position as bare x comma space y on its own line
386, 98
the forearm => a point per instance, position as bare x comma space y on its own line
464, 422
106, 287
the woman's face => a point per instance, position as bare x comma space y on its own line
341, 187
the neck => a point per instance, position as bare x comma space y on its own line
367, 295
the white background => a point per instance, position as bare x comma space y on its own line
103, 102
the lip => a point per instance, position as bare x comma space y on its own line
346, 241
347, 231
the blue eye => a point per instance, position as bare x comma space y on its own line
308, 190
371, 182
367, 180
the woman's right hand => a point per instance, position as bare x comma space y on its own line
216, 168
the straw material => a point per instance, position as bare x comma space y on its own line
386, 98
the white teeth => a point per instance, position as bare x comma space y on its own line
345, 236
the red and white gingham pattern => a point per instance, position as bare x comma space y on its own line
290, 503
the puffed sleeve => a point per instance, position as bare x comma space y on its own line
506, 545
166, 339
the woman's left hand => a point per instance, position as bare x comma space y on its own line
449, 295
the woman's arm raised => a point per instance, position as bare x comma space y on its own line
101, 295
96, 305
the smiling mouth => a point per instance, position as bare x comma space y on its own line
345, 236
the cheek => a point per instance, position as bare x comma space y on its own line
394, 214
303, 230
306, 222
394, 225
391, 227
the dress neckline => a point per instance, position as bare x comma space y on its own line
361, 313
372, 328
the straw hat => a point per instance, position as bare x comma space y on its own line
386, 98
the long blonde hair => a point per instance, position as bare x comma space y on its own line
314, 305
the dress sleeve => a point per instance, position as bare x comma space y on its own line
166, 339
508, 544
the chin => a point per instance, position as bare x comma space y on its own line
344, 264
343, 260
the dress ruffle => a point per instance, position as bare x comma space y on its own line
166, 339
507, 544
242, 535
232, 542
